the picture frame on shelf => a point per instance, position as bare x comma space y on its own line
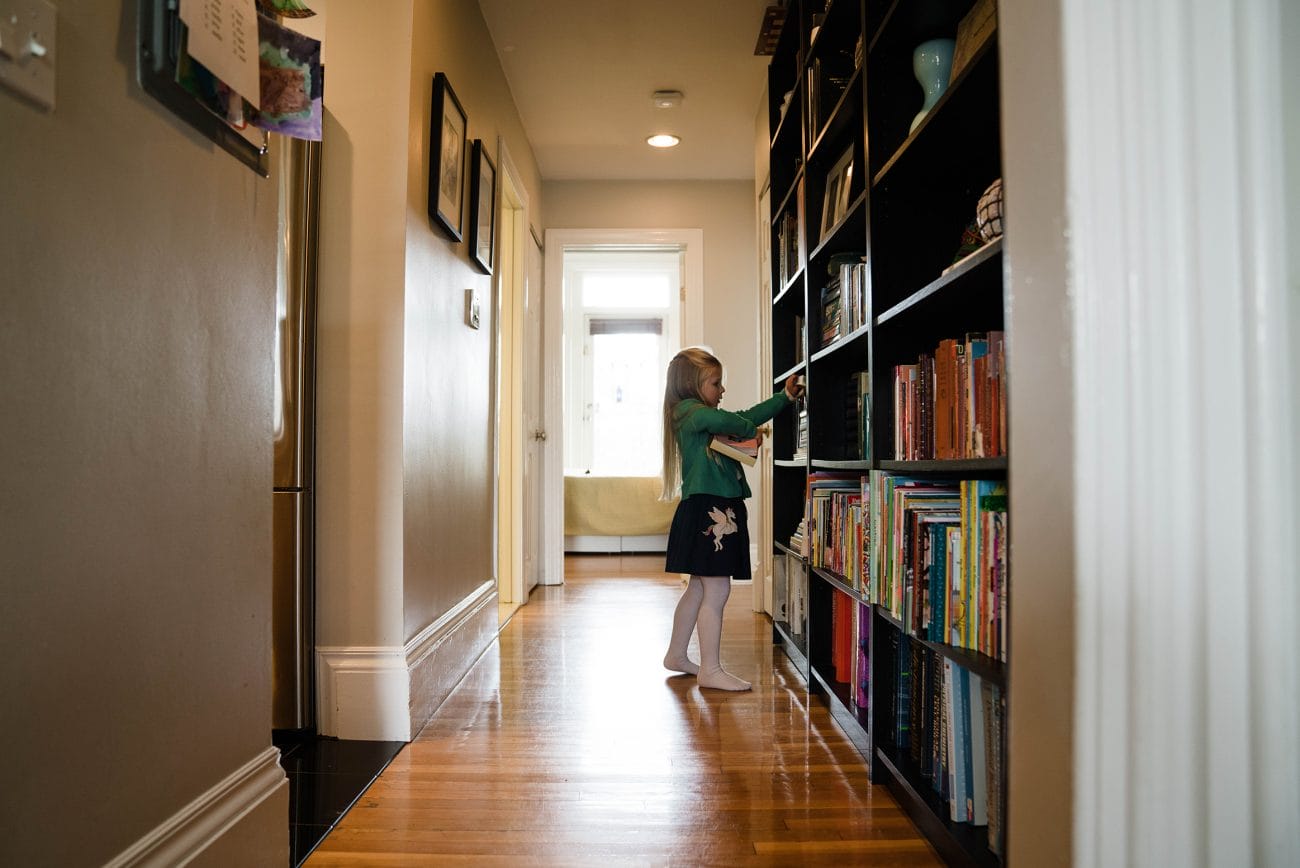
483, 212
835, 199
448, 126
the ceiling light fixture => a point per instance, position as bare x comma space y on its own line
666, 99
663, 140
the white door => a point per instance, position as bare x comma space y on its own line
535, 435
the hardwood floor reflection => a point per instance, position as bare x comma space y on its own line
568, 744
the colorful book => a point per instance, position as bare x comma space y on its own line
744, 450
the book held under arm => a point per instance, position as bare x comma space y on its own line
744, 450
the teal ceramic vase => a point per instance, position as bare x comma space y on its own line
931, 63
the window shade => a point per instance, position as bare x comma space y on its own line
645, 326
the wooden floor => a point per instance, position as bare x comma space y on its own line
569, 744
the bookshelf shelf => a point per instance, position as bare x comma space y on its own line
878, 266
785, 375
853, 720
827, 464
843, 343
846, 110
792, 284
958, 843
982, 665
838, 582
794, 646
987, 259
785, 549
973, 468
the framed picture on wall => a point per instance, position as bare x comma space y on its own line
447, 130
482, 205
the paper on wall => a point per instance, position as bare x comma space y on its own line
223, 37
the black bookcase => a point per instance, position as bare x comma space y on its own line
842, 91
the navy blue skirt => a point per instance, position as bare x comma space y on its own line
709, 537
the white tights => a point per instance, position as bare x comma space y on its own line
700, 609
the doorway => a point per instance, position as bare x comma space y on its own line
518, 340
636, 336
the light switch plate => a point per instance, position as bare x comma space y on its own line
27, 49
473, 308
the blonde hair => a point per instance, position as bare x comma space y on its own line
686, 374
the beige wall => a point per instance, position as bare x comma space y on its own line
136, 327
405, 388
450, 381
724, 210
360, 326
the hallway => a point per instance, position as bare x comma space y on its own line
568, 744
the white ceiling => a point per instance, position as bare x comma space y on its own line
582, 72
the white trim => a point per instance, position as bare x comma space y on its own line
1186, 703
762, 596
363, 692
504, 287
427, 640
186, 834
607, 544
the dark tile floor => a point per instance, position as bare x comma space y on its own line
326, 776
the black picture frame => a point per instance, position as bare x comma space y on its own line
448, 127
836, 197
483, 210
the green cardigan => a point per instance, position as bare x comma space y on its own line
708, 472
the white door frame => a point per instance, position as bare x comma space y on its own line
761, 592
692, 331
509, 287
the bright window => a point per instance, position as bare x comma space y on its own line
622, 316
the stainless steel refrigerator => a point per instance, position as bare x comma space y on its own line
297, 170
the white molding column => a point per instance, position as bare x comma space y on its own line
1185, 449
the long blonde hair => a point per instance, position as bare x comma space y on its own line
686, 374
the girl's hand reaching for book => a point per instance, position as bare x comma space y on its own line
793, 387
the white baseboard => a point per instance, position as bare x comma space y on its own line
588, 544
440, 654
363, 692
367, 692
187, 833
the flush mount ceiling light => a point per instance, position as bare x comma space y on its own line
665, 99
663, 140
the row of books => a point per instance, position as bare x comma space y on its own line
835, 524
933, 553
938, 559
844, 306
800, 429
856, 402
787, 249
948, 723
852, 399
851, 645
952, 403
790, 593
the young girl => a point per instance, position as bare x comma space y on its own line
709, 538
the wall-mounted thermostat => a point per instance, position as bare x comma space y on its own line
473, 308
